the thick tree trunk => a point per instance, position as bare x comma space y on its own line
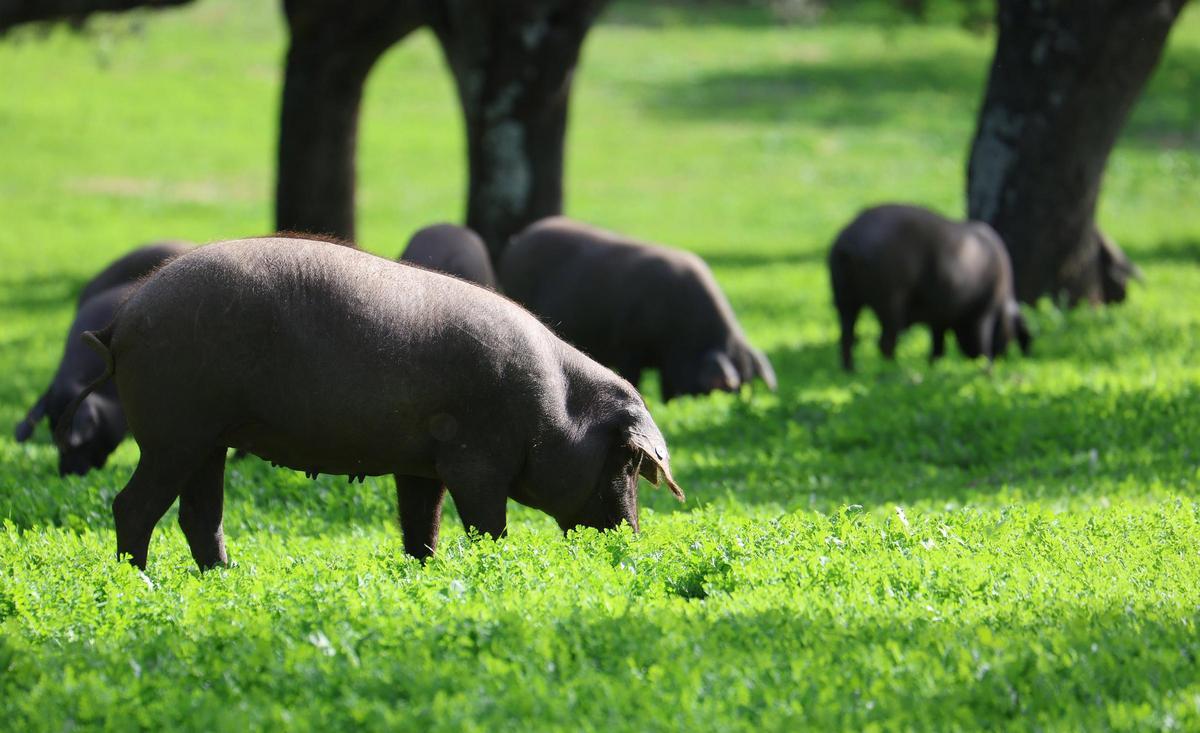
333, 47
1064, 79
513, 63
16, 12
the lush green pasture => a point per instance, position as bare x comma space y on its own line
906, 548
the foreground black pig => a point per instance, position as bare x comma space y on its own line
454, 250
98, 427
910, 265
330, 360
633, 306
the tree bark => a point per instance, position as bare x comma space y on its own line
1063, 81
16, 12
512, 63
333, 47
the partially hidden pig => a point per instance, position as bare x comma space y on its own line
910, 265
131, 267
633, 306
98, 426
453, 250
330, 360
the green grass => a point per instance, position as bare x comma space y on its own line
906, 548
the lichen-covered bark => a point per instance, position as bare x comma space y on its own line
16, 12
1063, 81
333, 47
512, 63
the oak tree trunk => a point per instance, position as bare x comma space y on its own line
333, 46
1063, 81
512, 64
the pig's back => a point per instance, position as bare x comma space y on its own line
293, 332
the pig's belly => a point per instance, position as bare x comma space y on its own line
312, 451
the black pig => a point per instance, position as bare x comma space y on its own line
98, 427
910, 265
132, 267
454, 250
633, 306
331, 360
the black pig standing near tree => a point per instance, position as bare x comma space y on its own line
910, 265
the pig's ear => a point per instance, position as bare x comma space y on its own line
655, 464
763, 369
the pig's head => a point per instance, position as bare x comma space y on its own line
591, 479
723, 369
96, 430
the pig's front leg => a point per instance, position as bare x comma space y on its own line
420, 506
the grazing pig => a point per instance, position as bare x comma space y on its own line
99, 425
910, 265
454, 250
632, 306
331, 360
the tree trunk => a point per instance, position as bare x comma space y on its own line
333, 47
512, 63
16, 12
1064, 79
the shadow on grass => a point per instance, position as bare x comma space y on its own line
1074, 664
1177, 251
852, 93
752, 260
40, 292
946, 433
872, 92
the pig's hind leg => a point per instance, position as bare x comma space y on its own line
201, 508
420, 506
156, 482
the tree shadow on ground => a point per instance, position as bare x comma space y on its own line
1174, 251
946, 433
873, 90
752, 260
46, 292
864, 92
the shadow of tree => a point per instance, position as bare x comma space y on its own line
874, 90
1177, 251
865, 92
946, 433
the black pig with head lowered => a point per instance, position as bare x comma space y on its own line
454, 250
330, 360
633, 306
910, 265
98, 427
